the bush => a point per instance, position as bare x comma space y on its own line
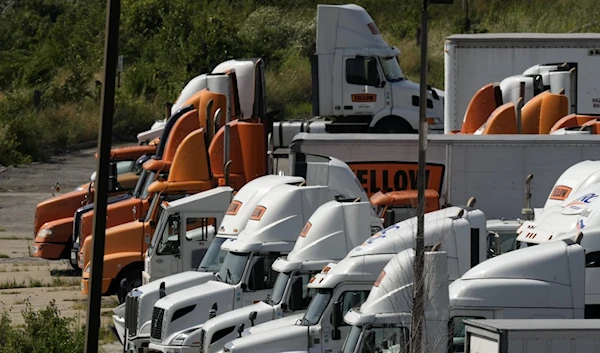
45, 331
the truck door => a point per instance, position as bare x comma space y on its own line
592, 286
165, 260
363, 88
195, 240
349, 299
259, 279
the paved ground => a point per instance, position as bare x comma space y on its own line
40, 281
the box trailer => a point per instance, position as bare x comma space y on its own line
490, 168
532, 336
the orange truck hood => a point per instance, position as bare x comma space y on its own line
61, 231
125, 238
62, 206
117, 213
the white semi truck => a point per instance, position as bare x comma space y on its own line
348, 282
331, 232
314, 171
246, 276
548, 282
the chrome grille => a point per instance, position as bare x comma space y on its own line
157, 323
77, 224
131, 314
202, 337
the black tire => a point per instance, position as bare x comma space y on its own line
128, 281
394, 126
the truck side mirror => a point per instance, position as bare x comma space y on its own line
382, 83
296, 295
336, 315
240, 330
252, 317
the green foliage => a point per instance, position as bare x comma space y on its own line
56, 47
45, 331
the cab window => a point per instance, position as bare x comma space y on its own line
124, 167
385, 339
362, 71
262, 276
169, 239
351, 299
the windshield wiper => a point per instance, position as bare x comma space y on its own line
229, 276
218, 277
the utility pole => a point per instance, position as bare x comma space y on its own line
418, 314
418, 285
113, 9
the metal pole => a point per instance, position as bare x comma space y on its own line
418, 299
101, 194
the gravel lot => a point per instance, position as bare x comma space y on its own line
41, 281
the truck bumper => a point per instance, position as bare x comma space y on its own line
119, 328
85, 284
50, 251
137, 344
173, 349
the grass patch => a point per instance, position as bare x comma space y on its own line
10, 292
2, 229
37, 283
4, 256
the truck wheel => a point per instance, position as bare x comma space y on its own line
129, 280
394, 126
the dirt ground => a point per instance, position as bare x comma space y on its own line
26, 279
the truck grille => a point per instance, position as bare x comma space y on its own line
77, 225
202, 337
157, 322
131, 314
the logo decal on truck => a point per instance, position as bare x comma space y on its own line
396, 176
560, 192
364, 98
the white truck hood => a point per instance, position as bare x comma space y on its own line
150, 294
191, 306
293, 338
270, 325
264, 313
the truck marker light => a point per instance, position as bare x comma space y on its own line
326, 269
258, 212
311, 280
379, 279
233, 208
373, 28
305, 229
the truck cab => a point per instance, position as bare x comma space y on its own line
383, 322
549, 280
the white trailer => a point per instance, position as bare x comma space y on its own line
532, 336
472, 61
493, 169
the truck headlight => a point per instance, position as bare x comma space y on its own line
44, 232
178, 340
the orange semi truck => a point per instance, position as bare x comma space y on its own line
53, 222
192, 170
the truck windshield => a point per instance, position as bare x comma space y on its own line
391, 68
279, 287
214, 257
233, 267
149, 180
351, 340
162, 224
139, 187
316, 307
